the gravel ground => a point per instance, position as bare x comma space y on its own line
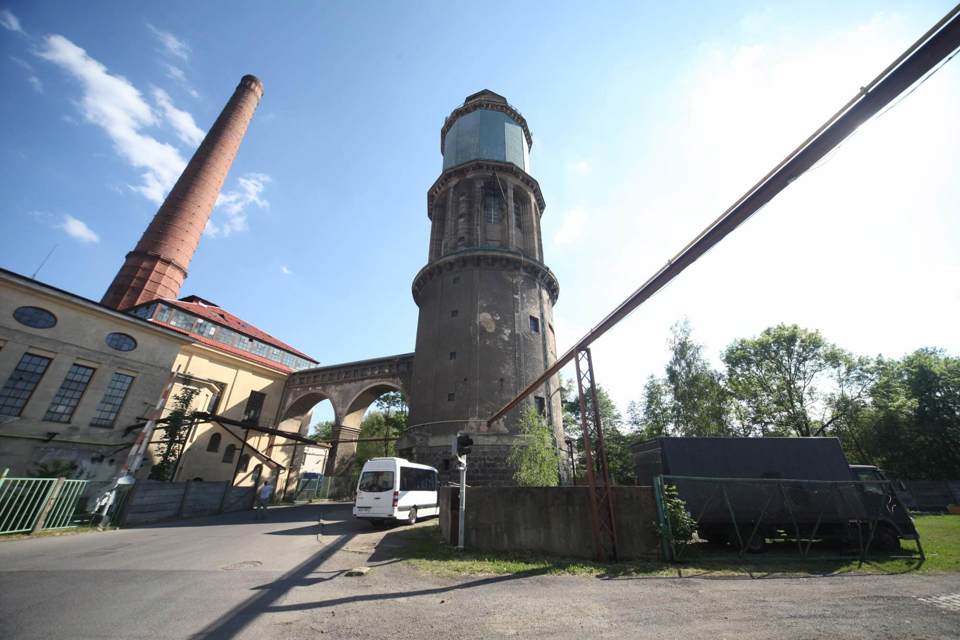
234, 577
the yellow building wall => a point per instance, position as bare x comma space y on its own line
78, 338
208, 369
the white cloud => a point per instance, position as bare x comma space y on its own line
571, 229
31, 76
115, 105
78, 229
175, 73
10, 21
182, 122
285, 271
178, 74
171, 43
231, 208
582, 167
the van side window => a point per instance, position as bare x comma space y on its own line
417, 479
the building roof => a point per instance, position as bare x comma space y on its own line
210, 311
87, 302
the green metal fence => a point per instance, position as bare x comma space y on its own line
35, 504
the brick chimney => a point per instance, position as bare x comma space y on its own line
157, 267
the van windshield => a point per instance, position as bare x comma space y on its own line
376, 481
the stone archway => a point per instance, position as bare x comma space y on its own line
351, 388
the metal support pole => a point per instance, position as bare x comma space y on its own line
463, 500
598, 476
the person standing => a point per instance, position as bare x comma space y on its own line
263, 498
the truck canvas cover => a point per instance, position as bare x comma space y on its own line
754, 458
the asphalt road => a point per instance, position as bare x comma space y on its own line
234, 577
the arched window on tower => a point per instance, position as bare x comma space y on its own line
228, 453
214, 443
244, 463
518, 209
463, 220
492, 204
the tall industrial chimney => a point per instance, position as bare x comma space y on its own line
157, 267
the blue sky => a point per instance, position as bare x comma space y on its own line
648, 120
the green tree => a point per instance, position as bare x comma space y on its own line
912, 424
533, 456
616, 442
322, 430
173, 433
386, 419
791, 381
699, 400
653, 417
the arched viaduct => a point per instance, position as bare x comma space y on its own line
351, 388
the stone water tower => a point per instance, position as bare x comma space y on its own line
486, 297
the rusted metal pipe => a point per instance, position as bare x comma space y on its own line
938, 43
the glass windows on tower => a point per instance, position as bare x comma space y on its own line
491, 207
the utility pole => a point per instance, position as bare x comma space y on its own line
461, 448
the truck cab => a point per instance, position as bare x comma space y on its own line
881, 498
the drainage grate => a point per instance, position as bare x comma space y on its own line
949, 601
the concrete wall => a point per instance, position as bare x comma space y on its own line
151, 501
552, 520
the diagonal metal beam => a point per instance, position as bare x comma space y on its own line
910, 67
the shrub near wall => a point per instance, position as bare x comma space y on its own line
553, 520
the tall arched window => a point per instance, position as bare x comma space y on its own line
244, 463
518, 209
491, 205
214, 443
228, 453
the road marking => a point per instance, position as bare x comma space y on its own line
949, 601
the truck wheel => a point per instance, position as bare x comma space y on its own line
885, 539
412, 516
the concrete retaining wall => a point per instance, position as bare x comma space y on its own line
157, 501
553, 520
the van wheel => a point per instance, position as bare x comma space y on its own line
412, 516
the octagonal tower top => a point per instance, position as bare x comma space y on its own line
485, 127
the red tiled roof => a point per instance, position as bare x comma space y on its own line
209, 311
227, 319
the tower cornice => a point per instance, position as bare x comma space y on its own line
475, 104
479, 166
491, 257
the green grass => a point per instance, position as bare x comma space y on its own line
940, 536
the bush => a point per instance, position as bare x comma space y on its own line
682, 524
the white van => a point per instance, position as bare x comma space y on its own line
395, 489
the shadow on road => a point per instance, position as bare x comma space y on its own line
303, 575
335, 520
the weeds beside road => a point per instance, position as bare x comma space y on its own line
940, 536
